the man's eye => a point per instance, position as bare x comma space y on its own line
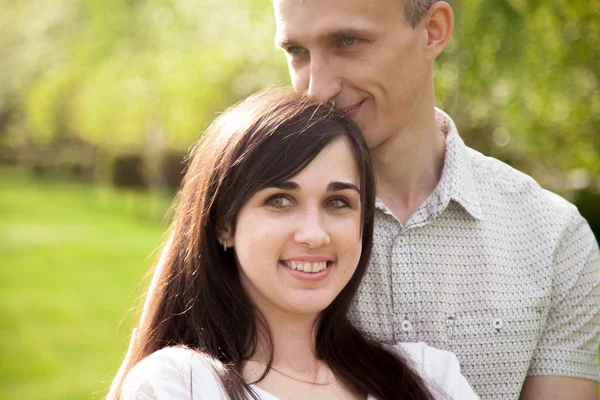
350, 41
336, 203
279, 202
295, 50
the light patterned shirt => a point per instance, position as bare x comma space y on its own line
491, 267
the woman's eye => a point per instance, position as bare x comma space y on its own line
337, 203
350, 41
279, 202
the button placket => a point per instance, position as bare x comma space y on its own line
403, 287
449, 330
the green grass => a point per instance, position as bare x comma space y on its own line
71, 262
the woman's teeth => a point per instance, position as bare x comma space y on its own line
307, 266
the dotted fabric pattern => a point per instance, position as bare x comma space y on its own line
491, 267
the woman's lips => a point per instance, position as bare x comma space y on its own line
305, 275
306, 266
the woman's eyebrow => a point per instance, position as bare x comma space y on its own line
334, 186
287, 185
337, 186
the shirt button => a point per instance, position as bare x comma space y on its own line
498, 323
406, 326
401, 241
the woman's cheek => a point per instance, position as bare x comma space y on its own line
350, 230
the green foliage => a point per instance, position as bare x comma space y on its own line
125, 69
519, 77
521, 80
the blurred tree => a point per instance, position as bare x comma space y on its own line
129, 76
145, 76
521, 80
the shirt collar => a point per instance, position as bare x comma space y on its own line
457, 182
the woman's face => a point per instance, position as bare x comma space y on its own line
298, 244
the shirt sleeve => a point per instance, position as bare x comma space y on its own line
172, 373
441, 371
569, 343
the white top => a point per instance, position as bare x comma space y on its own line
175, 373
491, 267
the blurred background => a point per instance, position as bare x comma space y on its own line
100, 101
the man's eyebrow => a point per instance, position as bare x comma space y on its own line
338, 186
283, 41
343, 33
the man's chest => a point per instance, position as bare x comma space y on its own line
481, 293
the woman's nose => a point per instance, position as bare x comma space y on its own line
311, 231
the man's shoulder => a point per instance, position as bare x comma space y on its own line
498, 182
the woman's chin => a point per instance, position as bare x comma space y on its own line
305, 306
306, 311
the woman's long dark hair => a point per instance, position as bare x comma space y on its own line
198, 301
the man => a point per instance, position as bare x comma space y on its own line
469, 255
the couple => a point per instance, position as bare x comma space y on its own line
468, 255
272, 238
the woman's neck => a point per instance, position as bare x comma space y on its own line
296, 372
293, 341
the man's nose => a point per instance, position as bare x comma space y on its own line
324, 83
311, 231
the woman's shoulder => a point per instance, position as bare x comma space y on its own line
172, 373
439, 367
427, 357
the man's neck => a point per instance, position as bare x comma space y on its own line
408, 166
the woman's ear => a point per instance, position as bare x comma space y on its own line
224, 238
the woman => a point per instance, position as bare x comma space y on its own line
272, 238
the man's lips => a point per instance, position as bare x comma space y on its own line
353, 110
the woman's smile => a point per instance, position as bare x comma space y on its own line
307, 271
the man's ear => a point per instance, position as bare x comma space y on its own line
439, 23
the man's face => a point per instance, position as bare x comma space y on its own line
360, 53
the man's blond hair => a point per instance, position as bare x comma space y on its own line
415, 10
